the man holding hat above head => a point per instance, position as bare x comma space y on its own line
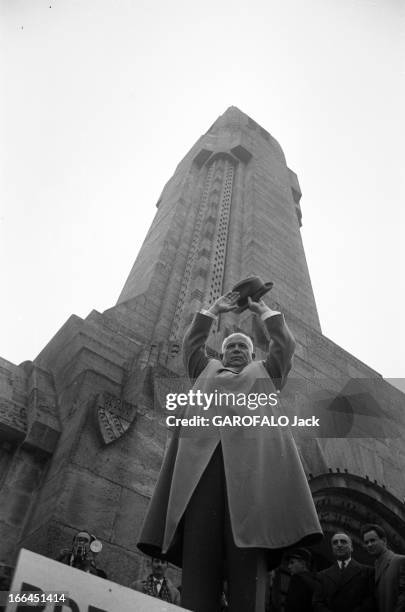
232, 493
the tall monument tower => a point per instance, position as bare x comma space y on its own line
81, 437
230, 210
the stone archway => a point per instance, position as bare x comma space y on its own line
346, 502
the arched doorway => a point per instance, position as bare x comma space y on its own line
345, 502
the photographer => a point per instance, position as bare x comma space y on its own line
82, 554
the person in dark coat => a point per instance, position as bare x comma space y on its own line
81, 555
346, 586
389, 570
302, 583
224, 491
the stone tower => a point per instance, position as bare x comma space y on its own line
231, 209
82, 438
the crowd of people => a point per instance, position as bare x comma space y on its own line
345, 586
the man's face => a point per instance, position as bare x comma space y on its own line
296, 566
374, 545
159, 568
341, 546
237, 352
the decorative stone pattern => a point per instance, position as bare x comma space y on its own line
219, 244
192, 255
208, 272
113, 416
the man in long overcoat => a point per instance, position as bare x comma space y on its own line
232, 492
389, 570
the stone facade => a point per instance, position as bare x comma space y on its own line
82, 438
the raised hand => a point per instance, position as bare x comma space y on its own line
258, 308
225, 303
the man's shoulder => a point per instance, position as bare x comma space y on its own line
212, 365
359, 565
398, 556
367, 572
356, 570
354, 565
259, 364
396, 559
308, 580
327, 576
171, 585
174, 591
327, 571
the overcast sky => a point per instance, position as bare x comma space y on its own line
101, 99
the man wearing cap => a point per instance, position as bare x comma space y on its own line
233, 493
346, 586
302, 583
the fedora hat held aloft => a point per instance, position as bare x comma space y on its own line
252, 287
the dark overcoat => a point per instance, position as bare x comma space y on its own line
270, 503
300, 592
348, 590
390, 582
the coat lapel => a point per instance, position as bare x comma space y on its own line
351, 570
340, 577
334, 574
